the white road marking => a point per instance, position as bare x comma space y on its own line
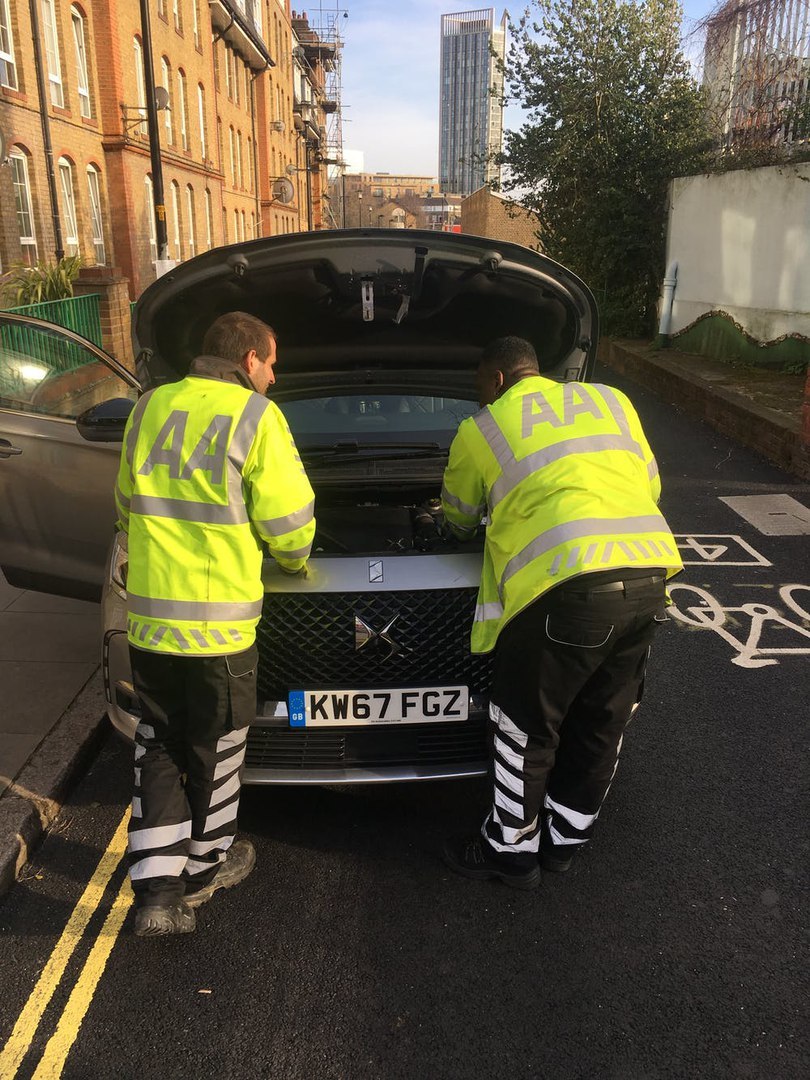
772, 515
717, 549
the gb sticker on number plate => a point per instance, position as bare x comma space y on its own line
359, 708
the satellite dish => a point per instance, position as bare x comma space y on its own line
283, 190
161, 98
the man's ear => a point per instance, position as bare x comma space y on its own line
499, 380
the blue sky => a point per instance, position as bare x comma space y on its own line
391, 76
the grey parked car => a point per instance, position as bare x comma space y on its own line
365, 670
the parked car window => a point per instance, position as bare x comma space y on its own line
43, 372
392, 416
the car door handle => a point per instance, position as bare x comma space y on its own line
7, 450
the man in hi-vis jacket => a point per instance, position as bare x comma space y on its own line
209, 474
575, 563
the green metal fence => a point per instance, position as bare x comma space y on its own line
77, 313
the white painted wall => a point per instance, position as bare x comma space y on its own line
742, 244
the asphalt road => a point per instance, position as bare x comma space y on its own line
673, 948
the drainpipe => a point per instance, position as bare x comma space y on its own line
667, 297
164, 263
46, 132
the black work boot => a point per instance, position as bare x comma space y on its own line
157, 920
557, 864
473, 857
240, 858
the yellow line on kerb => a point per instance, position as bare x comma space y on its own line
25, 1029
53, 1060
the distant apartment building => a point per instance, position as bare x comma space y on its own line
232, 129
471, 91
757, 72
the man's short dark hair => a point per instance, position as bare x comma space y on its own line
511, 355
234, 334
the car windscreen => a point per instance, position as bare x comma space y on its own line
376, 418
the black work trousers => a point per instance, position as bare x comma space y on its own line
568, 670
189, 751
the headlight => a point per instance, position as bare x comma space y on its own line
118, 564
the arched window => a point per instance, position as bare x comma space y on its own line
150, 217
178, 253
201, 118
233, 156
209, 221
220, 158
52, 53
166, 79
96, 220
140, 78
82, 75
182, 107
8, 66
239, 174
22, 198
68, 206
191, 229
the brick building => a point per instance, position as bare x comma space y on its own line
228, 134
490, 215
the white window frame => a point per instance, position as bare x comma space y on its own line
82, 74
150, 216
178, 17
140, 78
166, 77
209, 221
8, 66
24, 206
96, 219
52, 53
183, 107
69, 206
191, 228
233, 156
195, 23
236, 226
239, 160
228, 86
201, 112
175, 188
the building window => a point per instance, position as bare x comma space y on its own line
52, 53
235, 78
176, 220
178, 16
228, 86
191, 227
150, 217
82, 78
93, 188
69, 206
22, 198
219, 143
252, 225
201, 116
239, 159
242, 226
233, 157
195, 22
140, 78
166, 78
8, 69
224, 225
161, 9
183, 108
209, 221
236, 226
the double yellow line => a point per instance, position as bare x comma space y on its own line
55, 1054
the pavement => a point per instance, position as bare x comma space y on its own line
53, 710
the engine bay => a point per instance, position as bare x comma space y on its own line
375, 528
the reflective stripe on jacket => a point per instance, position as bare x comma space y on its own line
570, 486
208, 471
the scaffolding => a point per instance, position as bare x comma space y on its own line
326, 21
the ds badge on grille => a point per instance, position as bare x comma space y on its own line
375, 571
366, 635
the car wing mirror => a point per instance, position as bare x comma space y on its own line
105, 422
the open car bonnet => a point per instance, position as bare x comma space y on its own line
380, 305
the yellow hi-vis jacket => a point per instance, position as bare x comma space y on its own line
570, 486
208, 471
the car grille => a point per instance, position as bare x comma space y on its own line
306, 641
277, 748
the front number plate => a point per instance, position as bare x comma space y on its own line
359, 708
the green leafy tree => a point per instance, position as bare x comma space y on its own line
613, 116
